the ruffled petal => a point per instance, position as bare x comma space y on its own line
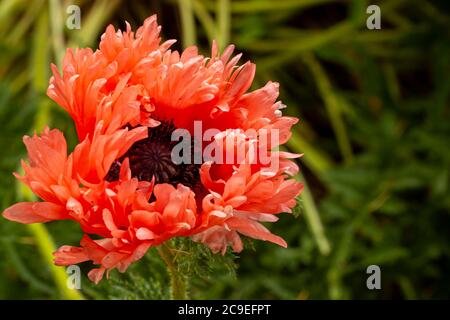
33, 212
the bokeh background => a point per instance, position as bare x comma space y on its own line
374, 130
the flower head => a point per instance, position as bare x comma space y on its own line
128, 100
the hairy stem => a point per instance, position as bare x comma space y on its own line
178, 282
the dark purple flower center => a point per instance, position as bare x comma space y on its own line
152, 157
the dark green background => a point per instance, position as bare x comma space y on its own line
374, 110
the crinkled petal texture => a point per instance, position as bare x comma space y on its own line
115, 95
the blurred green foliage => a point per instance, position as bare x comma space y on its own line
374, 130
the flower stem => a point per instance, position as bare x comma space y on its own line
178, 281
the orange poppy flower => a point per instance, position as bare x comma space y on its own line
121, 183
